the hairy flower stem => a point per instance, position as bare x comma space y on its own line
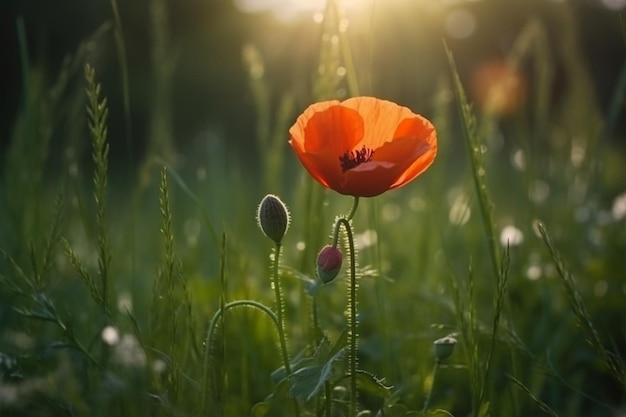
280, 315
209, 341
280, 309
352, 305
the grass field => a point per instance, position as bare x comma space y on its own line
140, 284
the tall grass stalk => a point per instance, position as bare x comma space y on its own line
194, 197
502, 281
171, 320
474, 146
499, 263
98, 113
612, 361
541, 404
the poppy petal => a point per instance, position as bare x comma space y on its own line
420, 129
323, 133
363, 146
380, 117
328, 124
382, 173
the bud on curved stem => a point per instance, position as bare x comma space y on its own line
352, 305
329, 262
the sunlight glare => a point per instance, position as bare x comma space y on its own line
287, 10
614, 4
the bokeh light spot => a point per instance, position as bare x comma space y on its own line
538, 191
391, 212
511, 236
618, 211
614, 4
498, 87
533, 272
417, 204
519, 160
601, 288
366, 239
125, 302
110, 335
460, 24
460, 211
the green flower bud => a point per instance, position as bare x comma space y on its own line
444, 347
273, 217
328, 263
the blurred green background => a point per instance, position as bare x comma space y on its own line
397, 47
209, 89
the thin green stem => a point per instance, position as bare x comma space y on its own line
432, 386
123, 63
355, 205
328, 392
318, 338
348, 218
353, 84
280, 309
280, 316
209, 338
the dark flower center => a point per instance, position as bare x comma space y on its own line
351, 159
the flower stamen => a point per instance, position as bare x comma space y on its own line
352, 159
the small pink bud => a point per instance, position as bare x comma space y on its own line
328, 263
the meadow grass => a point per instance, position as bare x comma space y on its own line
163, 297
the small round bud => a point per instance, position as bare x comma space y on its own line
273, 217
444, 347
328, 263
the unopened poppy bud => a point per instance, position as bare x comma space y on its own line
273, 217
328, 263
444, 347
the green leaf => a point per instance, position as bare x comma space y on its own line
260, 409
484, 409
372, 385
308, 381
395, 410
437, 412
340, 343
297, 362
323, 353
275, 401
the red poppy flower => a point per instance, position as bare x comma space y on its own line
363, 146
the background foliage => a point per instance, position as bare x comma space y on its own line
129, 189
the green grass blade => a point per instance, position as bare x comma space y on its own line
474, 145
181, 183
542, 405
578, 306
